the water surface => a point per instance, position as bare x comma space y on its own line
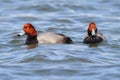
60, 61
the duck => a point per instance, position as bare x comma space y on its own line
92, 34
44, 38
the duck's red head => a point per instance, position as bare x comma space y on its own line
29, 29
92, 29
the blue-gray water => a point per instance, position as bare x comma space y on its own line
61, 61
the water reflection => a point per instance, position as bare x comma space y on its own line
31, 46
93, 45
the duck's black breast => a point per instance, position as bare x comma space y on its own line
92, 39
31, 40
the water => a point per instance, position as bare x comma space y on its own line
60, 61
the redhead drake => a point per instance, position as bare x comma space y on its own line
48, 37
93, 36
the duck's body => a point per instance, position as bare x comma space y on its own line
43, 38
93, 39
93, 36
53, 38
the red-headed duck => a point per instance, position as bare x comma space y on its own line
48, 37
93, 36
